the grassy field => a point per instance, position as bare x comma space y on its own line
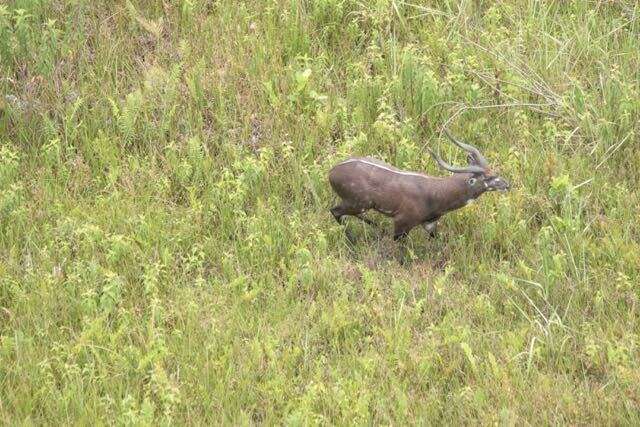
166, 250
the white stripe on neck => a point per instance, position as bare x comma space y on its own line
390, 170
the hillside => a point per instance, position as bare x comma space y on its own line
167, 254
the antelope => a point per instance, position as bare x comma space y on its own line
410, 198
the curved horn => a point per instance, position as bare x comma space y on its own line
454, 169
480, 160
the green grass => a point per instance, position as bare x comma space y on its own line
166, 250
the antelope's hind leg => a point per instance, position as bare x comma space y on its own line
339, 211
367, 220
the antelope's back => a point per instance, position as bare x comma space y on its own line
361, 179
352, 168
355, 162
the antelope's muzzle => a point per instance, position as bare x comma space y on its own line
498, 184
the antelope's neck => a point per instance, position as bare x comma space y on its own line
455, 192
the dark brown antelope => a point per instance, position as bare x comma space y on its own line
410, 198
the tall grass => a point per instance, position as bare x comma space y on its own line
167, 251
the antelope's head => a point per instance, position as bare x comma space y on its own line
482, 178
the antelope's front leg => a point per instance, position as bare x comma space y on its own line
431, 227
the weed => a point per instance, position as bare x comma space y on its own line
167, 254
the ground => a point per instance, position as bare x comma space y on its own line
167, 251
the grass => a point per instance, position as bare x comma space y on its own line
167, 251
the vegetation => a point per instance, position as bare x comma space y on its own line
167, 253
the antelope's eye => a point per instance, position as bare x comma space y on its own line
471, 181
